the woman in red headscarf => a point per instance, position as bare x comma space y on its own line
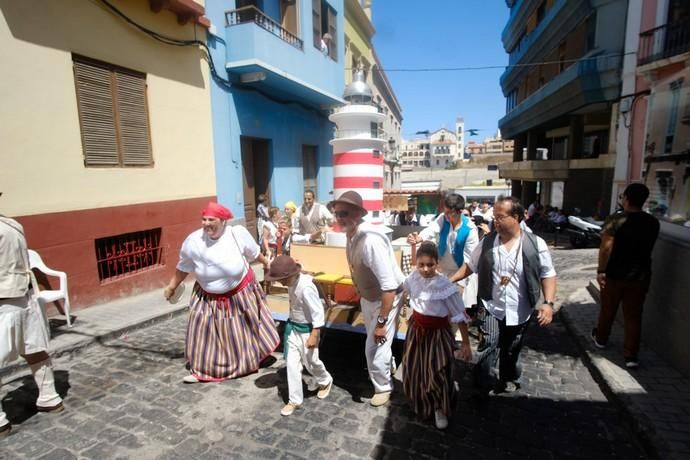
230, 328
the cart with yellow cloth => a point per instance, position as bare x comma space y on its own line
328, 265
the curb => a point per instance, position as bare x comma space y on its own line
21, 367
653, 446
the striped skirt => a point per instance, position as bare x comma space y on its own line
427, 366
229, 336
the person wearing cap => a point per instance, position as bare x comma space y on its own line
230, 329
377, 276
301, 339
23, 325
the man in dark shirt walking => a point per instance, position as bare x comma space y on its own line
625, 269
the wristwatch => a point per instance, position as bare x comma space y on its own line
380, 321
548, 302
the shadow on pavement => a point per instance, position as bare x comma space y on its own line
20, 404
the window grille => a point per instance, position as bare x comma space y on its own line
125, 255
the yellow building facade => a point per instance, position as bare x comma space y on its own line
107, 145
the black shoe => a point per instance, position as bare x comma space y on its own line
500, 387
505, 387
600, 346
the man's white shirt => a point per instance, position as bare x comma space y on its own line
511, 302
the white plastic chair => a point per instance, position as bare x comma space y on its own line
46, 297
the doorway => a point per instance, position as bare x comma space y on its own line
256, 177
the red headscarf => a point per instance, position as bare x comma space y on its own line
216, 210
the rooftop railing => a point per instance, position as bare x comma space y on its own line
664, 42
251, 13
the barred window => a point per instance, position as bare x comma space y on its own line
124, 255
113, 114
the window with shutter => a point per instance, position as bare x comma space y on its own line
316, 22
113, 114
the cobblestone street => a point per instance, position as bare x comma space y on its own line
125, 399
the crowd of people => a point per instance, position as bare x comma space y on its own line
474, 264
501, 273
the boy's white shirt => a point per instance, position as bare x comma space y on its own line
305, 303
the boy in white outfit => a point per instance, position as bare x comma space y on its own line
301, 339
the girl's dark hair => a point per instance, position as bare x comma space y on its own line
428, 248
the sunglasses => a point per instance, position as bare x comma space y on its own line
341, 214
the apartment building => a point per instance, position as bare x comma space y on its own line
284, 60
564, 79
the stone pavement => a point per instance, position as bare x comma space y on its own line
125, 399
655, 397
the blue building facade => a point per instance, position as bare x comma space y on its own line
271, 127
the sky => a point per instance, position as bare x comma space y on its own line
443, 33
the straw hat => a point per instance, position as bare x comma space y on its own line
282, 267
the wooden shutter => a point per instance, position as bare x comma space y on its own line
133, 119
316, 22
96, 114
333, 31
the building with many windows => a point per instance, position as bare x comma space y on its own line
564, 78
107, 160
284, 65
360, 53
437, 150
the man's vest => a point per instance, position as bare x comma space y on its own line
14, 262
363, 277
308, 224
531, 267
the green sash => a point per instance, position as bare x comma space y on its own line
301, 328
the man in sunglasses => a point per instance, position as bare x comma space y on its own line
378, 278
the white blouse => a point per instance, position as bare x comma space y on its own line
272, 231
435, 297
219, 265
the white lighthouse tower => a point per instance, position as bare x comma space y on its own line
358, 148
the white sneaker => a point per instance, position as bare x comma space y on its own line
190, 379
289, 409
441, 419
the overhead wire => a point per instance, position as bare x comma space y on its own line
225, 83
491, 67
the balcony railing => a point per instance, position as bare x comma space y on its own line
253, 14
664, 41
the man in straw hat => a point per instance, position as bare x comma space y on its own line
23, 326
301, 339
378, 278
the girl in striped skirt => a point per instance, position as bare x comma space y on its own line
436, 302
230, 329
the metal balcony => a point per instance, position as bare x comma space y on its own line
664, 42
253, 14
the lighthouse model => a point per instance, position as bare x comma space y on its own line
358, 148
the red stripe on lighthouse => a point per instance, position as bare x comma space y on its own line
373, 205
357, 158
356, 182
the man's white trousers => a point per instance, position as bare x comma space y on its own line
380, 361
